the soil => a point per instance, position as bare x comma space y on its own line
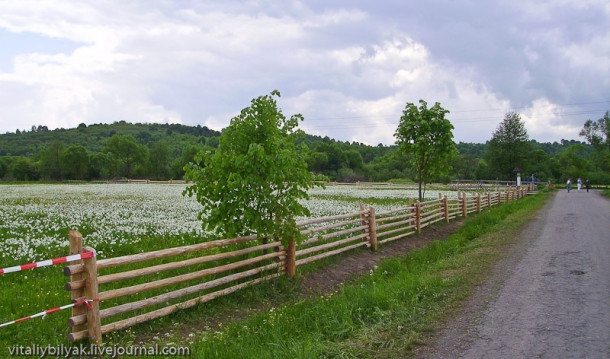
346, 267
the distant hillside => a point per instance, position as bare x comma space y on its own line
160, 151
94, 137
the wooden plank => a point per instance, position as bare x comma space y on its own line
140, 257
373, 229
333, 235
140, 304
396, 237
109, 278
386, 233
446, 209
392, 211
385, 219
126, 323
393, 224
330, 226
91, 292
328, 218
138, 288
330, 253
432, 216
417, 217
76, 247
131, 306
322, 247
291, 258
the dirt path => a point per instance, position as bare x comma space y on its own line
549, 298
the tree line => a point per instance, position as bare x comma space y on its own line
161, 151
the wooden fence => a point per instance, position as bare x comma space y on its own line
132, 289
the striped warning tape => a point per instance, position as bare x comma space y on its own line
49, 262
52, 310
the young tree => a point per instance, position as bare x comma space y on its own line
508, 148
253, 182
426, 137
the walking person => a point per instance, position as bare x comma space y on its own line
569, 184
587, 184
579, 183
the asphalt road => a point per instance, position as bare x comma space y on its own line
554, 301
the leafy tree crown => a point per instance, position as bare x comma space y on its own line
425, 136
254, 180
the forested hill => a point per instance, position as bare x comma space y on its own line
94, 137
160, 151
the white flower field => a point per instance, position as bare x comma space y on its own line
118, 219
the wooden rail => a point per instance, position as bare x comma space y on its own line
205, 271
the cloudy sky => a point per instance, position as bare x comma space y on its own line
348, 66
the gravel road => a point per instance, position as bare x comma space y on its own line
551, 296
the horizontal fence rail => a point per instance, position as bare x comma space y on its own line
132, 289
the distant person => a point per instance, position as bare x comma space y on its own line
569, 184
587, 184
579, 183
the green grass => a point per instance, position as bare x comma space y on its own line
386, 313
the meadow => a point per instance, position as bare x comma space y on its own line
116, 219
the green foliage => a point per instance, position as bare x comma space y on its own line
597, 134
253, 181
126, 153
75, 162
426, 137
159, 164
23, 169
50, 161
572, 163
169, 147
509, 148
3, 167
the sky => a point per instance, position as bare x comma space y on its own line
349, 67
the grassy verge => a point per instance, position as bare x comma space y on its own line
386, 313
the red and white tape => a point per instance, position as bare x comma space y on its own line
72, 258
53, 310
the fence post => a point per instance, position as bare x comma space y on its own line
488, 199
478, 202
76, 247
417, 216
372, 229
411, 210
446, 209
291, 258
94, 324
364, 221
464, 205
